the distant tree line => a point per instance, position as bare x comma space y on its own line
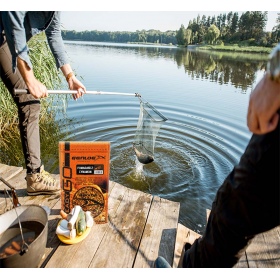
248, 29
143, 36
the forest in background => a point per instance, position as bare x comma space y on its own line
223, 29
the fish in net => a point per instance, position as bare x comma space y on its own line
149, 123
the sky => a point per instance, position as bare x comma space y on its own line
125, 15
138, 20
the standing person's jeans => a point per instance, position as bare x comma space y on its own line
246, 204
28, 111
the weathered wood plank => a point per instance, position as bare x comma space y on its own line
19, 183
160, 233
264, 250
80, 255
208, 211
119, 245
243, 262
52, 242
7, 172
184, 235
17, 180
90, 245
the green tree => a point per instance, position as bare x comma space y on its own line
212, 34
180, 36
234, 23
188, 36
213, 20
252, 24
244, 25
276, 30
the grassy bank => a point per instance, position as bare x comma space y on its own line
236, 48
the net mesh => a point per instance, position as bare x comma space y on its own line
149, 123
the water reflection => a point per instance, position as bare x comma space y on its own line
223, 68
237, 69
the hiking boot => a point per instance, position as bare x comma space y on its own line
42, 183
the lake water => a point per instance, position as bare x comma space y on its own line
203, 95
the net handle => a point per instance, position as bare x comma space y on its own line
25, 91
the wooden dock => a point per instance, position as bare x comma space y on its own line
141, 227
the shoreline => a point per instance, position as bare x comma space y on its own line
229, 48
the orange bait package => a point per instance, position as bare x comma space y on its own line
84, 177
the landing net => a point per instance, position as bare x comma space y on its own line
149, 123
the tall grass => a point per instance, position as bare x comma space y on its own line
237, 48
45, 71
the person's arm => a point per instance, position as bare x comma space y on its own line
13, 23
53, 33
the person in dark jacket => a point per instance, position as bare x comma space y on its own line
247, 203
16, 28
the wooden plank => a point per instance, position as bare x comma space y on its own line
2, 166
52, 242
19, 183
264, 252
160, 233
119, 245
184, 235
66, 255
208, 211
18, 180
81, 254
243, 261
7, 172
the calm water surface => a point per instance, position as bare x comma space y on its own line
203, 95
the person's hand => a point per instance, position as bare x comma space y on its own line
37, 89
75, 84
262, 116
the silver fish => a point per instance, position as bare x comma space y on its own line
143, 158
